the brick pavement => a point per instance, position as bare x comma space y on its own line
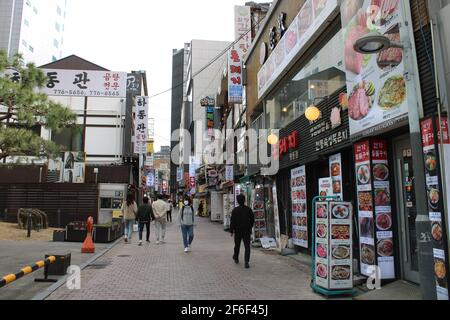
165, 272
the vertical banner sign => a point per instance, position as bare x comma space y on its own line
334, 252
260, 230
375, 82
336, 175
235, 83
242, 26
179, 174
141, 125
365, 208
435, 203
210, 120
276, 215
383, 209
299, 207
229, 173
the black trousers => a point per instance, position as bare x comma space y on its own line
238, 237
169, 216
141, 230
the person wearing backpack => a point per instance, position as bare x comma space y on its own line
186, 220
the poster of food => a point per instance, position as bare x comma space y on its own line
365, 207
336, 175
299, 207
375, 82
260, 213
435, 202
383, 209
333, 256
325, 188
74, 167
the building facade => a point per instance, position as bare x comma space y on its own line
23, 24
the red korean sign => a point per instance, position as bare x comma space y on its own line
379, 150
235, 81
362, 152
288, 143
427, 133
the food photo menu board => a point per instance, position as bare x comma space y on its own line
334, 255
375, 82
435, 204
299, 207
336, 175
260, 213
374, 208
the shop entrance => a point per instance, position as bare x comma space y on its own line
407, 211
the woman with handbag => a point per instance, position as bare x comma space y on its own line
129, 211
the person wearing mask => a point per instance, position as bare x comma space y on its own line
186, 221
242, 222
144, 217
129, 211
160, 212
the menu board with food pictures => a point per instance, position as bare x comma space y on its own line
260, 213
435, 205
299, 207
365, 207
336, 175
334, 255
383, 209
375, 82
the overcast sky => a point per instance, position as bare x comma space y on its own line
140, 35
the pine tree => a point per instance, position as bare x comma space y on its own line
22, 107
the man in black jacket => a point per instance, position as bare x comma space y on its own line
242, 221
144, 216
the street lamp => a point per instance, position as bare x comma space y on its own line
313, 113
374, 42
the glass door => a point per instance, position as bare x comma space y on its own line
407, 211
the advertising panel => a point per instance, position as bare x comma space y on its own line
299, 207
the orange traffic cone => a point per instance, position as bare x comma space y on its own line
88, 245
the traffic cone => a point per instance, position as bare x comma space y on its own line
88, 245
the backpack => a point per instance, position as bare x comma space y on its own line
182, 213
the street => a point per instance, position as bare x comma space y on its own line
165, 272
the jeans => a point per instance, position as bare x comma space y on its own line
188, 235
160, 225
129, 228
169, 216
141, 230
238, 237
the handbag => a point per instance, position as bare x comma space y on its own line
135, 227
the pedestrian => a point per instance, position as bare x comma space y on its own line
242, 222
200, 209
160, 211
186, 221
144, 217
169, 210
129, 211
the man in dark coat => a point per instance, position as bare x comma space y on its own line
144, 216
242, 222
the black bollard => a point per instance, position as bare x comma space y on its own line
29, 226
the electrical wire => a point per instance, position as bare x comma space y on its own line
222, 53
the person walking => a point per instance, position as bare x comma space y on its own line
129, 211
186, 221
242, 222
160, 212
169, 210
144, 217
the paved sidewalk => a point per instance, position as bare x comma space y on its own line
165, 272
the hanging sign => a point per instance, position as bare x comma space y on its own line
141, 125
299, 207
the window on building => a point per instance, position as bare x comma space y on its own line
31, 48
56, 43
57, 27
54, 59
24, 43
59, 11
28, 3
26, 22
35, 10
317, 79
69, 139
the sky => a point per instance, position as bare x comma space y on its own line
140, 35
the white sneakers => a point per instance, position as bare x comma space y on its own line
186, 250
158, 242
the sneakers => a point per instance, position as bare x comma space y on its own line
236, 261
140, 243
247, 266
158, 242
126, 239
148, 241
186, 250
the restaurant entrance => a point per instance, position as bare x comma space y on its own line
406, 208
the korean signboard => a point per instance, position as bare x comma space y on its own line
229, 173
302, 31
242, 27
141, 125
179, 174
375, 208
235, 80
85, 83
299, 207
134, 83
375, 82
430, 140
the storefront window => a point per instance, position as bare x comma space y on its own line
318, 78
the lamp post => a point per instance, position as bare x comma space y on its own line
373, 43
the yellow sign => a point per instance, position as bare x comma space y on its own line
117, 213
150, 148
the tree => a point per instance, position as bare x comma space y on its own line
23, 107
